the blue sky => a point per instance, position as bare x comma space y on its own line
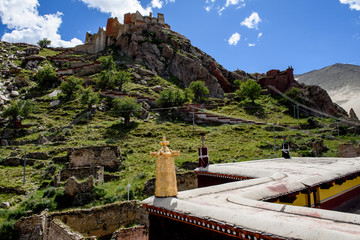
252, 35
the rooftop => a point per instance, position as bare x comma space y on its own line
240, 203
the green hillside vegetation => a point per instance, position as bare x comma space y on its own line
72, 127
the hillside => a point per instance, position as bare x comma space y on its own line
341, 81
154, 62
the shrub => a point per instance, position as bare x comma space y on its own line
172, 98
237, 84
46, 77
16, 214
70, 87
20, 108
38, 205
89, 98
8, 231
124, 107
107, 62
199, 90
249, 89
48, 172
62, 200
49, 192
112, 79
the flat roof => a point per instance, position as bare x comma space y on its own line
240, 203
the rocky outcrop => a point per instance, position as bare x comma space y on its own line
317, 98
169, 54
352, 116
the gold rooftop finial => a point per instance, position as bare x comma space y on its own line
165, 183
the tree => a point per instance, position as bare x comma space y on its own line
124, 107
47, 77
110, 79
237, 83
199, 90
20, 108
107, 62
44, 43
70, 87
89, 98
249, 89
171, 98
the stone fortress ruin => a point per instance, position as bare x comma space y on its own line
97, 42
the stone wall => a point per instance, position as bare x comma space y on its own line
348, 150
138, 233
80, 173
103, 221
107, 156
31, 227
57, 230
84, 223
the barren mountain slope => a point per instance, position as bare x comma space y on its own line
342, 81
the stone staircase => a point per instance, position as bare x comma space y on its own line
201, 113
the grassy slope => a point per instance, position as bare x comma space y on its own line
227, 143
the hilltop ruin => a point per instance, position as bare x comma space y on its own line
133, 22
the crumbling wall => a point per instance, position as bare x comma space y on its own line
57, 230
83, 223
31, 227
103, 221
138, 233
80, 173
107, 156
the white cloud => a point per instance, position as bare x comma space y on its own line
208, 8
22, 17
260, 35
353, 4
251, 44
117, 8
252, 21
234, 39
230, 3
157, 4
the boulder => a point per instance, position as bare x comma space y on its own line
55, 103
157, 88
5, 205
14, 94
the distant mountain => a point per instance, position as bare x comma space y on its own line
341, 81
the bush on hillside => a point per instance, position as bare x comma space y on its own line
172, 98
70, 88
47, 77
20, 108
249, 90
125, 107
199, 90
89, 98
